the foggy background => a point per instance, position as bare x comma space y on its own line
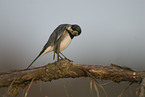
113, 31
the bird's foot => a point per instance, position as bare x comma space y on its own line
69, 60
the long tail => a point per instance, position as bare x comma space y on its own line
34, 60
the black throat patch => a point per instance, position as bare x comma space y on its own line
72, 36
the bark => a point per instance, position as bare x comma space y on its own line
66, 69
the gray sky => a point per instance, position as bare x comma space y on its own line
113, 31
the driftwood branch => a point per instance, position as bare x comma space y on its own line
66, 69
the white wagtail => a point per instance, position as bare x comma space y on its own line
59, 40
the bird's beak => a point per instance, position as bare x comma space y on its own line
74, 33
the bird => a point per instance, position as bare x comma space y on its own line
59, 40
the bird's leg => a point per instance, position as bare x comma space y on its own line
60, 56
54, 55
57, 56
65, 57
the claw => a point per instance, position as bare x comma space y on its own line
69, 60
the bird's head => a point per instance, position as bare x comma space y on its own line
74, 30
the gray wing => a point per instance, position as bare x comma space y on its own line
55, 38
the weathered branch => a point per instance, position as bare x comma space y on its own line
66, 69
